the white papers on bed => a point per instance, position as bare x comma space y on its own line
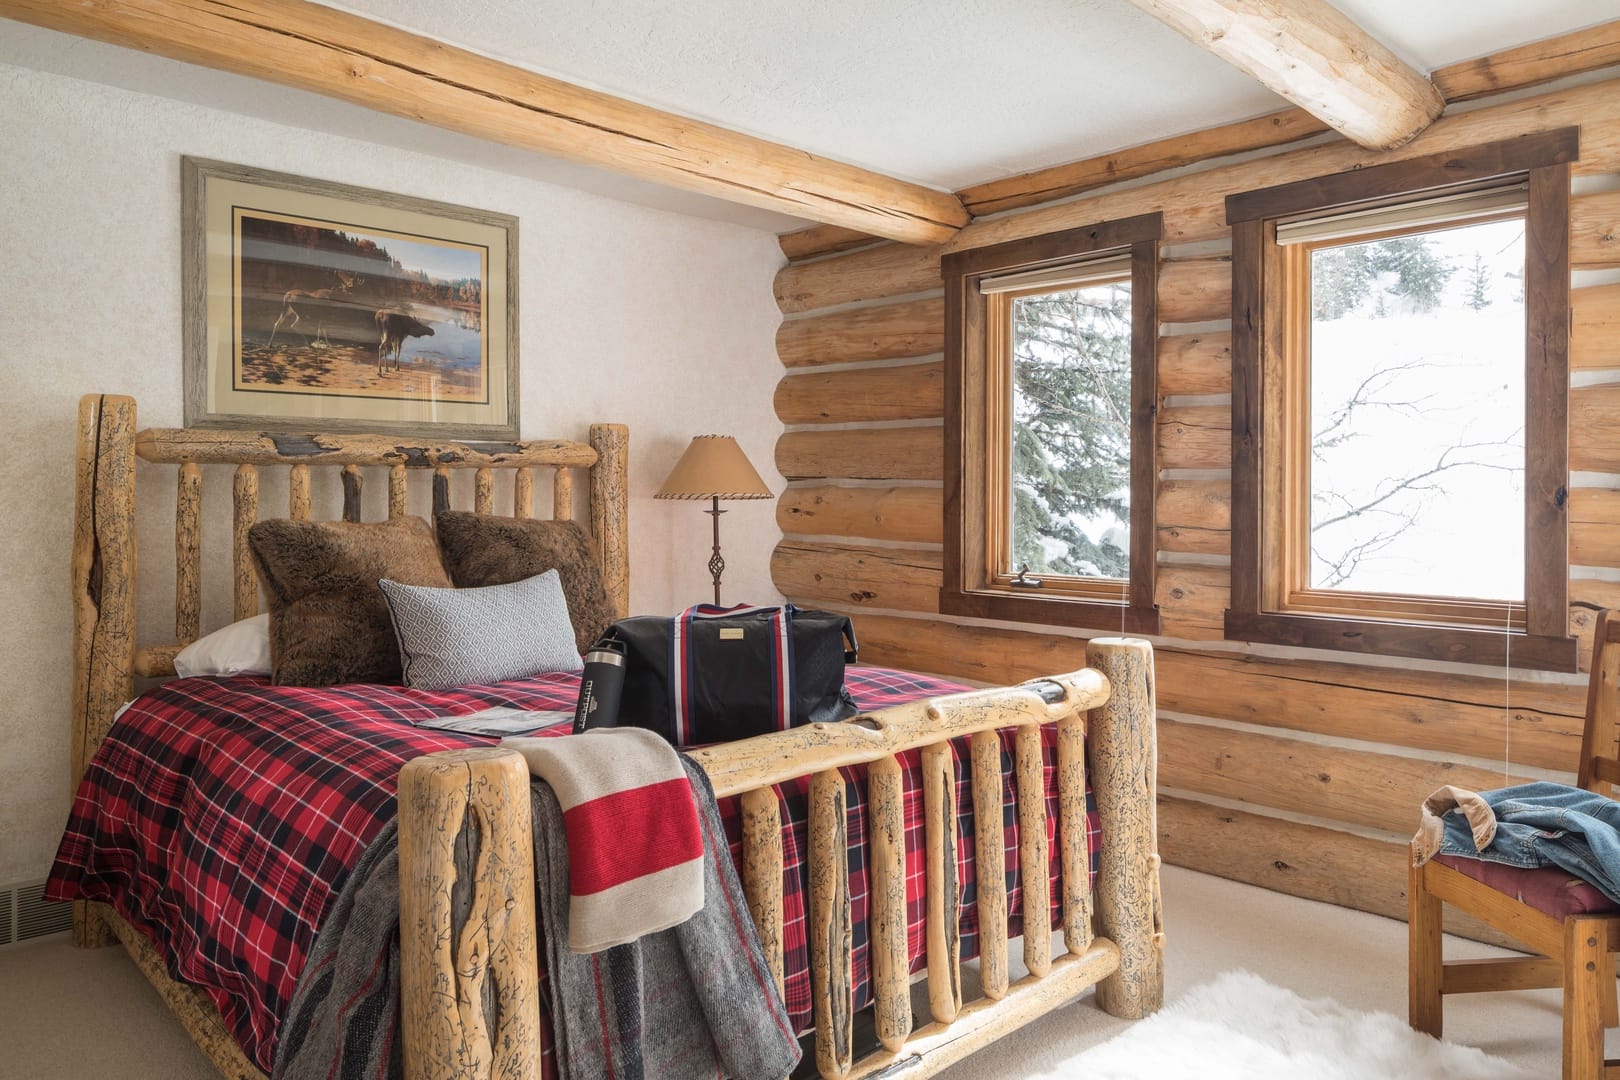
499, 720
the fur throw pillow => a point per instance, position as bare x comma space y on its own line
484, 549
329, 622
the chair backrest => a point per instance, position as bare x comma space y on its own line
1600, 743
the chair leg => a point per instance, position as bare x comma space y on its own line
1585, 966
1425, 1006
1611, 999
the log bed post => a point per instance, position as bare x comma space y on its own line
103, 594
469, 955
610, 510
1124, 761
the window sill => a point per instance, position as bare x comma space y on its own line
1421, 641
1049, 610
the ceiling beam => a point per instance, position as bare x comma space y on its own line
1312, 54
367, 63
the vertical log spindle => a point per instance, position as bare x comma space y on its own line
1073, 835
1123, 742
990, 861
483, 491
562, 494
890, 950
353, 484
523, 493
762, 874
245, 492
188, 554
944, 890
1033, 854
441, 490
398, 492
831, 935
298, 492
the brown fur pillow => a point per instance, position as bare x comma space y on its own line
329, 621
483, 549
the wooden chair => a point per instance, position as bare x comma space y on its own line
1573, 927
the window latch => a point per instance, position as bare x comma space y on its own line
1023, 581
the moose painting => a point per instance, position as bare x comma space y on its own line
323, 307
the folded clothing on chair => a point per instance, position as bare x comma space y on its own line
635, 848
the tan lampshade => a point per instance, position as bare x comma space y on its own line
714, 466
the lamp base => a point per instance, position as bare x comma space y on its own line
717, 564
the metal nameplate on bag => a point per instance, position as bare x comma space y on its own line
731, 633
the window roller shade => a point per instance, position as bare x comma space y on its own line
1069, 275
1457, 208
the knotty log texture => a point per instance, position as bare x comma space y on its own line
1195, 437
1124, 756
1073, 833
245, 511
483, 491
1195, 363
990, 858
1594, 231
1594, 527
904, 392
297, 490
885, 270
610, 510
1313, 55
901, 514
821, 240
898, 453
398, 492
762, 874
562, 495
523, 492
211, 447
849, 575
887, 332
1587, 49
1033, 859
1594, 332
831, 928
943, 887
103, 580
890, 950
1195, 290
1195, 516
469, 956
188, 553
381, 67
1594, 424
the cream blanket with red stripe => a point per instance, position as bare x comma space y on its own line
635, 848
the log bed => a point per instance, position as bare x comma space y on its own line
1104, 714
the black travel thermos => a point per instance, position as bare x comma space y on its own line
601, 686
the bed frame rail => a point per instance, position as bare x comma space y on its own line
448, 1034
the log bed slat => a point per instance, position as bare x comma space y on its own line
890, 947
523, 493
562, 495
297, 492
762, 874
398, 493
944, 889
1032, 851
483, 491
441, 490
990, 857
353, 490
1073, 833
245, 591
831, 930
188, 553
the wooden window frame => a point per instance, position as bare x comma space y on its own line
1268, 406
977, 442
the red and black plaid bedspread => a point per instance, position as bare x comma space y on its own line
221, 817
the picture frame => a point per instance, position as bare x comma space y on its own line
316, 306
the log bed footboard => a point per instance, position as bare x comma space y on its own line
448, 1034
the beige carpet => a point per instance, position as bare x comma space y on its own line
73, 1015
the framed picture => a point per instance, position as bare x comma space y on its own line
316, 306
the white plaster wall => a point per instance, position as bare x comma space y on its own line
638, 316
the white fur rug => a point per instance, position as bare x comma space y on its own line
1240, 1027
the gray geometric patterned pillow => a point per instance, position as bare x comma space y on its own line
452, 637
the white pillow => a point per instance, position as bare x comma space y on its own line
242, 648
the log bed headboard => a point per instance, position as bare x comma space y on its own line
106, 654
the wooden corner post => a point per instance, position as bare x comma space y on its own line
610, 510
103, 594
1124, 764
468, 947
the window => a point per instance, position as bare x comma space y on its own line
1050, 370
1399, 408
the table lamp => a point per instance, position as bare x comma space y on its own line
714, 467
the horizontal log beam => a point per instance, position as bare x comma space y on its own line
900, 514
1594, 527
850, 576
1594, 231
367, 63
1193, 601
1594, 333
1195, 363
1195, 437
905, 392
1574, 53
901, 453
1195, 516
1312, 54
870, 274
1195, 290
1594, 424
890, 332
821, 240
208, 447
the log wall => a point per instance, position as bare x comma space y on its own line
1296, 770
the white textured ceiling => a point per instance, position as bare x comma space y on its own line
947, 94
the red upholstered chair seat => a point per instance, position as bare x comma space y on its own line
1548, 889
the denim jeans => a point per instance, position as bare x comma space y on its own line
1545, 824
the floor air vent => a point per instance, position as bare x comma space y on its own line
25, 914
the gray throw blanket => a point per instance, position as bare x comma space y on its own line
693, 1001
